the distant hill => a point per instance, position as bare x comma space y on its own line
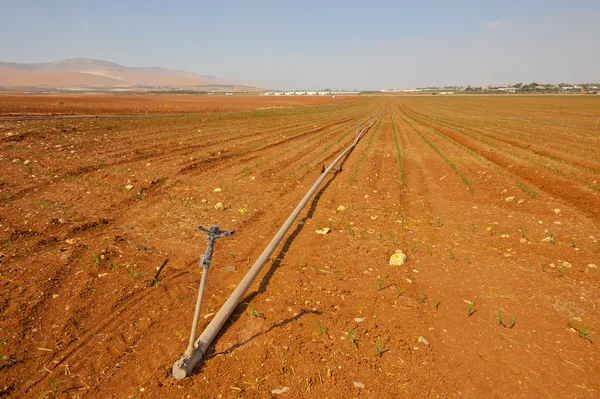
89, 73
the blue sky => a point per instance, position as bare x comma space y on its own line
318, 44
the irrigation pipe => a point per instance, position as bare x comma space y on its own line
185, 366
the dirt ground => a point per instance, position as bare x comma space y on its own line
494, 199
115, 104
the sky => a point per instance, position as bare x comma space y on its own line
365, 45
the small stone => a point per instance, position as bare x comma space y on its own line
359, 319
592, 266
103, 274
208, 315
323, 231
27, 162
509, 199
128, 187
523, 240
242, 211
567, 265
70, 241
280, 391
358, 384
228, 269
62, 220
217, 190
203, 201
556, 210
219, 206
504, 236
547, 239
374, 217
341, 208
398, 259
521, 201
423, 340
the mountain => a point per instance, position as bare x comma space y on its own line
84, 72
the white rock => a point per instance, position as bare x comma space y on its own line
358, 384
359, 319
423, 340
280, 391
27, 162
217, 190
521, 201
323, 231
509, 199
341, 208
556, 210
592, 266
219, 206
398, 259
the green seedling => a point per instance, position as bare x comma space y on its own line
522, 232
349, 228
451, 254
394, 239
114, 266
512, 322
378, 348
550, 238
583, 331
316, 270
413, 248
96, 259
574, 242
427, 249
421, 297
501, 319
251, 309
321, 328
351, 335
543, 267
470, 309
54, 384
380, 280
439, 222
436, 303
398, 292
473, 228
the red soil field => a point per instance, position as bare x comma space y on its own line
494, 199
103, 104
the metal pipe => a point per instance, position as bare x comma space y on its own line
190, 348
184, 366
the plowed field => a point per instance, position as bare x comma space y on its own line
495, 201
